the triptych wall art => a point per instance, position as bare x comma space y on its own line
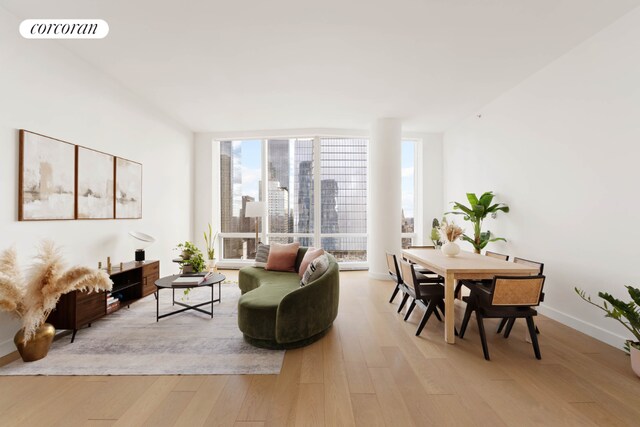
59, 181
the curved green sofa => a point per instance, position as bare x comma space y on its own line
275, 312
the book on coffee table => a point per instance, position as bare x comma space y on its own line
189, 280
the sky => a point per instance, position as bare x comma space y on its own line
251, 172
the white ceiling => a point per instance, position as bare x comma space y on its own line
241, 65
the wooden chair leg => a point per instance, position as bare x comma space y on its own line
411, 307
457, 293
534, 337
440, 305
510, 323
395, 292
430, 308
483, 336
465, 320
404, 301
501, 326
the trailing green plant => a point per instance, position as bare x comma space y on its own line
210, 242
627, 313
192, 256
476, 213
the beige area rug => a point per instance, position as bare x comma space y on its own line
130, 342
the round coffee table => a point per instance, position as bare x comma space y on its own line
167, 283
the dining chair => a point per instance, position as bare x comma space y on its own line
509, 297
428, 295
509, 323
394, 272
486, 282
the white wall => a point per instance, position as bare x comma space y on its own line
46, 89
562, 150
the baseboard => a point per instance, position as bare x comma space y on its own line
594, 331
380, 276
7, 347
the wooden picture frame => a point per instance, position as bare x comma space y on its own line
46, 181
95, 184
128, 189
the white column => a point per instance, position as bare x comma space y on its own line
385, 196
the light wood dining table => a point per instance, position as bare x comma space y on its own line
465, 265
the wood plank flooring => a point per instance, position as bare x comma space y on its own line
369, 370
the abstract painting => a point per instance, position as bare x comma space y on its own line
128, 189
47, 178
95, 184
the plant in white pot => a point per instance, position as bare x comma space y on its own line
210, 241
450, 232
628, 314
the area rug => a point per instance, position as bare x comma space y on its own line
131, 342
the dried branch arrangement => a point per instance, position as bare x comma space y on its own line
450, 230
34, 298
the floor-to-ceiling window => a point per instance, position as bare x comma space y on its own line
240, 176
314, 190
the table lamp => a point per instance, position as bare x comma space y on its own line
254, 210
141, 241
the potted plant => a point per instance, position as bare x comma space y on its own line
478, 210
450, 232
192, 259
435, 233
628, 314
210, 241
32, 300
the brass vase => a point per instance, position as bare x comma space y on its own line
38, 346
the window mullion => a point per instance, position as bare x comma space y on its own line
317, 187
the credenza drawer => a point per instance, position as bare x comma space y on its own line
90, 306
152, 268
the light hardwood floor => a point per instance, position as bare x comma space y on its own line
370, 370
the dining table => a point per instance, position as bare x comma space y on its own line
465, 265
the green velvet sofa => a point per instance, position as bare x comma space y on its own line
275, 312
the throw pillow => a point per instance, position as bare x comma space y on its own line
262, 254
282, 257
316, 269
312, 253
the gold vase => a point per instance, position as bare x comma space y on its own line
38, 346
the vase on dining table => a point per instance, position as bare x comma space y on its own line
450, 249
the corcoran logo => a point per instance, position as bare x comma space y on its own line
64, 29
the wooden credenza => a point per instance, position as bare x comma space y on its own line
134, 281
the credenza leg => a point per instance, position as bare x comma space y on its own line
73, 336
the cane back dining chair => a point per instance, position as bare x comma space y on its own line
429, 295
509, 297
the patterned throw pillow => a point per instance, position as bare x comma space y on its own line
262, 255
311, 254
316, 269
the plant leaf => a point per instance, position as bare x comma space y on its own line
472, 198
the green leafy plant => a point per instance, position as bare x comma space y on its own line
476, 213
435, 233
210, 241
192, 256
627, 313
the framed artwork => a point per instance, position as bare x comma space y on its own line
128, 189
95, 181
46, 178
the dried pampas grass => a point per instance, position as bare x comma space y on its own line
48, 282
11, 284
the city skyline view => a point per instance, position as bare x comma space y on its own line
290, 194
